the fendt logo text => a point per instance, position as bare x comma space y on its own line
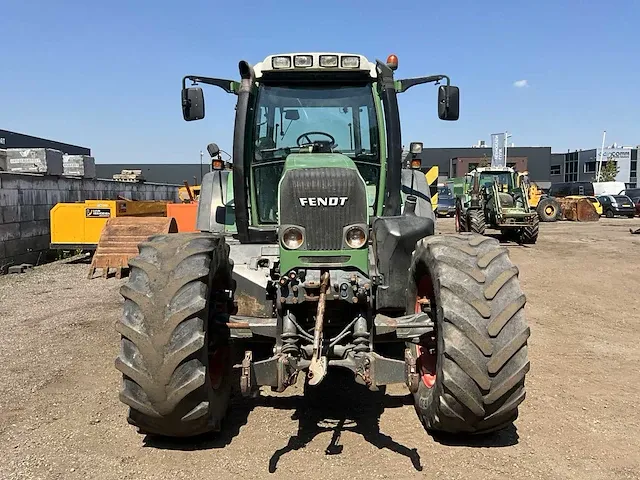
323, 201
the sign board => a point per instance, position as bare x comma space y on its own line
498, 143
98, 212
615, 154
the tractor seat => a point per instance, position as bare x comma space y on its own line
506, 200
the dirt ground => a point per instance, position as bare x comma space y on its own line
60, 417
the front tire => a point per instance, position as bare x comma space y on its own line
472, 375
529, 234
461, 219
548, 210
476, 221
174, 356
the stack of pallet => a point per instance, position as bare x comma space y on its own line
129, 176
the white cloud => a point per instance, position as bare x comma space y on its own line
521, 83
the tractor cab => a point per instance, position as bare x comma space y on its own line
317, 155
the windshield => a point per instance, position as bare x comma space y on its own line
306, 119
503, 179
622, 199
444, 192
289, 118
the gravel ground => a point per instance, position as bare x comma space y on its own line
60, 417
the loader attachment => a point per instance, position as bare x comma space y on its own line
120, 238
578, 210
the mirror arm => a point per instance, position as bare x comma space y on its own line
404, 85
228, 86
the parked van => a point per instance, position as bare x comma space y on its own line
608, 188
566, 189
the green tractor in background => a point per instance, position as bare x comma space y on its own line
494, 197
316, 251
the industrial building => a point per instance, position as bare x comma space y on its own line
19, 140
582, 165
455, 162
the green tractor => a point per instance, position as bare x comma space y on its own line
494, 197
316, 251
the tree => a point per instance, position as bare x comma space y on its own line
485, 161
608, 171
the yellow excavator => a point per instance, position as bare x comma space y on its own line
548, 208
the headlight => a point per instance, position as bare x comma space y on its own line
292, 238
303, 61
355, 237
349, 61
281, 62
328, 60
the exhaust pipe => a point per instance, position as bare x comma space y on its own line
410, 205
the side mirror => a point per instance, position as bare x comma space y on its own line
292, 114
192, 103
213, 150
450, 95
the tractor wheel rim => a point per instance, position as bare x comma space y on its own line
549, 210
426, 358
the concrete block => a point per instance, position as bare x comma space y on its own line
27, 213
34, 229
42, 212
13, 248
22, 268
33, 258
9, 197
9, 214
9, 231
79, 166
57, 196
48, 183
33, 197
15, 181
34, 160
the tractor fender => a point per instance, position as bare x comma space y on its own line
212, 202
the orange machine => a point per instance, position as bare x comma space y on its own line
184, 215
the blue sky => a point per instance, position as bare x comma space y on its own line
107, 74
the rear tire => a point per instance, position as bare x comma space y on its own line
174, 355
529, 234
476, 380
461, 220
609, 213
476, 222
548, 210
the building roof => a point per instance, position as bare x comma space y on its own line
10, 139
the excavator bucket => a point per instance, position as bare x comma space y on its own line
578, 210
120, 238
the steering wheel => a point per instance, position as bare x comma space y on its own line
332, 143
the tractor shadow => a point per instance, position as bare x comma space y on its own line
507, 437
506, 240
338, 404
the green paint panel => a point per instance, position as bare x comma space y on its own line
358, 259
318, 160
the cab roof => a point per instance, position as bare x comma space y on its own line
315, 62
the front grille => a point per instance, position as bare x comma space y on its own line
313, 198
331, 259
